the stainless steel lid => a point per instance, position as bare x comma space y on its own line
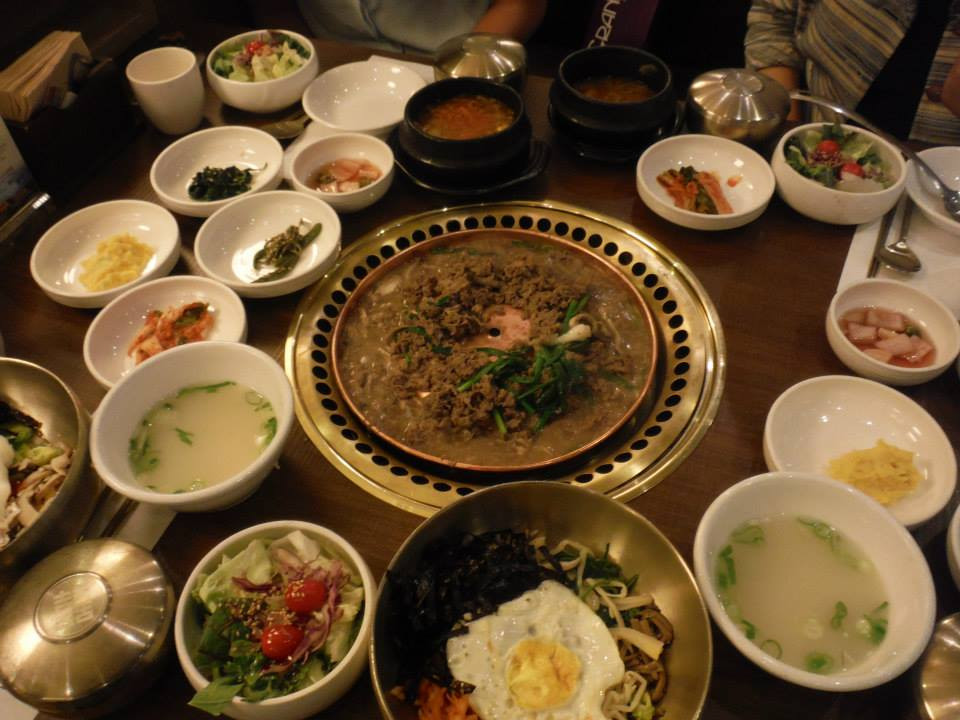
938, 672
81, 620
482, 55
737, 103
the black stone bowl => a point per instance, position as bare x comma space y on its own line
483, 159
611, 129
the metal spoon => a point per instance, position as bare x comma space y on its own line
935, 185
897, 255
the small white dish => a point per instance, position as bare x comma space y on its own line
728, 160
825, 417
366, 97
946, 163
309, 158
894, 553
262, 96
245, 147
230, 238
111, 332
125, 405
935, 319
953, 547
829, 205
56, 260
313, 698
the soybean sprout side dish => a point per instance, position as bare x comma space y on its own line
505, 625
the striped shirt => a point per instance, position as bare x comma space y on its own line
840, 46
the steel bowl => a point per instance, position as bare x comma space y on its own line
482, 55
565, 511
86, 629
737, 104
43, 396
937, 676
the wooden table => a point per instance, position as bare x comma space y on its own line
771, 282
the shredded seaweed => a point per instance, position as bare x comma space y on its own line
471, 575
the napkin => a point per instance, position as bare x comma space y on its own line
939, 252
43, 75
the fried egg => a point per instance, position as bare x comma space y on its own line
542, 656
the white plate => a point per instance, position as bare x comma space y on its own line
366, 97
953, 547
220, 147
57, 257
229, 239
727, 159
109, 335
946, 163
825, 417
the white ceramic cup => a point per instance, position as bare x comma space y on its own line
168, 86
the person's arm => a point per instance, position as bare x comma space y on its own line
516, 18
770, 44
951, 89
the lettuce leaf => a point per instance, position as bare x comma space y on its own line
253, 563
216, 696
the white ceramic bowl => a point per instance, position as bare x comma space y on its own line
129, 400
229, 239
953, 546
265, 95
934, 318
56, 259
894, 553
303, 703
839, 207
245, 147
309, 158
946, 163
825, 417
367, 97
727, 159
109, 335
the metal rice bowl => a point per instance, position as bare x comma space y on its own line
564, 511
44, 397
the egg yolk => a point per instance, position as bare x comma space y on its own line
542, 674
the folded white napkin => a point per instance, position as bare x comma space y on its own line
939, 252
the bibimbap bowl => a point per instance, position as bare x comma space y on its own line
267, 565
488, 157
816, 200
561, 512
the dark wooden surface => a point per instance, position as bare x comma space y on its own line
771, 282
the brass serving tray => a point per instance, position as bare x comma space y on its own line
681, 405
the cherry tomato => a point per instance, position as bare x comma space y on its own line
852, 168
305, 596
279, 641
828, 147
254, 46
